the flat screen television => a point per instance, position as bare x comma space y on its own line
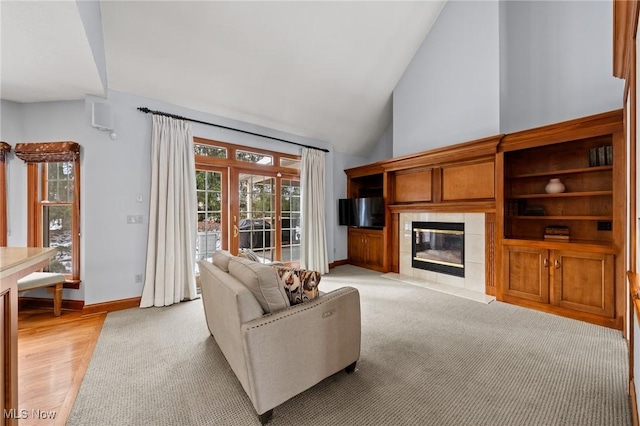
361, 212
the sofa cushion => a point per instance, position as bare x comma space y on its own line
301, 285
221, 259
262, 281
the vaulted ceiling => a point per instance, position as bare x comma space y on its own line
324, 70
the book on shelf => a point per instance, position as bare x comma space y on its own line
556, 230
534, 210
601, 156
555, 237
593, 157
514, 207
556, 233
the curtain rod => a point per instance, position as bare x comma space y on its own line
179, 117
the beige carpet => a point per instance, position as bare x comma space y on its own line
427, 359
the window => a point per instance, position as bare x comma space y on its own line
210, 150
252, 157
53, 202
56, 209
294, 163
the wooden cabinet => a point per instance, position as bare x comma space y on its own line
568, 279
366, 248
526, 274
583, 281
580, 274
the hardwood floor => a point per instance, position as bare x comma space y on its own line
53, 356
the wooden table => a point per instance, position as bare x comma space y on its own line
15, 263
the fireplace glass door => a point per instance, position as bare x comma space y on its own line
438, 247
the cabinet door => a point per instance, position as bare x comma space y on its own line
526, 273
584, 281
357, 247
375, 250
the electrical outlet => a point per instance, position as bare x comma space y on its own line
138, 278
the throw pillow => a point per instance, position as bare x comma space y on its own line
301, 285
221, 259
262, 281
249, 254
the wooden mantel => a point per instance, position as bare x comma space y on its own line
479, 148
457, 178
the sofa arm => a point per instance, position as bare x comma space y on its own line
291, 350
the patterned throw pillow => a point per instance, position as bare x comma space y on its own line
300, 285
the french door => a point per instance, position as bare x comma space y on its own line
266, 216
243, 209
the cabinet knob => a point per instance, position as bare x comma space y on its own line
545, 262
557, 264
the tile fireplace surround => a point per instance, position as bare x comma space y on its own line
474, 247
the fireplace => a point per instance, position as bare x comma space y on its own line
438, 247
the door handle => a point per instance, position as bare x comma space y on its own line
235, 231
557, 264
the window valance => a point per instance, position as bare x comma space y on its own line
5, 148
45, 152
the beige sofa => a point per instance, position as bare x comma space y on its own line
276, 350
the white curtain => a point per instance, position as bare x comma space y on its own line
313, 250
170, 275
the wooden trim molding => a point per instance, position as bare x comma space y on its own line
486, 206
336, 263
580, 128
4, 149
479, 148
43, 302
111, 306
625, 27
45, 152
490, 253
33, 211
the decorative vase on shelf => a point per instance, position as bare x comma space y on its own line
554, 186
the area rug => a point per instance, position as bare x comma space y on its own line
427, 358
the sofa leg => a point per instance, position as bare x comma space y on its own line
265, 417
351, 368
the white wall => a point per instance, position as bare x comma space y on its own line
11, 132
490, 67
91, 17
449, 93
37, 122
341, 163
556, 62
115, 172
384, 148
